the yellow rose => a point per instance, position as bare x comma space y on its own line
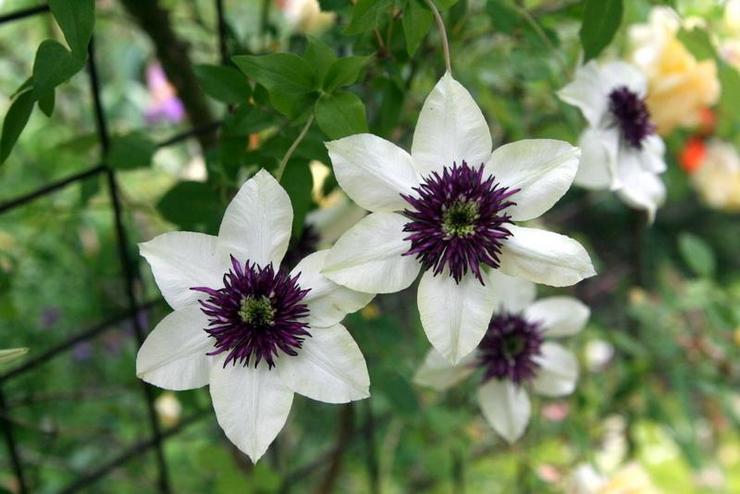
717, 178
679, 86
305, 16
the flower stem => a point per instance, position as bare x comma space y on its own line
284, 162
442, 33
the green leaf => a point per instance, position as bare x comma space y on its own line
193, 206
729, 100
365, 15
697, 254
11, 355
344, 72
134, 150
46, 103
321, 56
504, 17
298, 183
417, 20
223, 83
15, 120
54, 64
697, 42
245, 120
601, 20
76, 18
341, 114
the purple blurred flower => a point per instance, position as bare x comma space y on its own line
164, 105
82, 351
49, 317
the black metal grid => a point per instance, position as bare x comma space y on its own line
157, 436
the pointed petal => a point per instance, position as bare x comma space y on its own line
251, 405
545, 257
543, 170
450, 129
640, 189
173, 356
329, 367
587, 93
182, 260
437, 373
373, 171
327, 301
510, 293
598, 165
369, 256
618, 74
560, 316
454, 316
257, 222
652, 156
558, 371
506, 407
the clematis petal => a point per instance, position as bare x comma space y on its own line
369, 256
251, 405
451, 129
373, 171
622, 74
454, 315
560, 316
640, 189
586, 92
327, 301
506, 407
545, 257
598, 165
558, 371
652, 156
257, 222
511, 294
329, 367
542, 170
437, 373
173, 356
182, 260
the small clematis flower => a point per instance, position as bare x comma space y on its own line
621, 150
254, 333
449, 208
515, 355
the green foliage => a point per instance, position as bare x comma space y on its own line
417, 21
223, 83
697, 254
341, 114
15, 121
697, 42
76, 18
129, 151
192, 206
601, 20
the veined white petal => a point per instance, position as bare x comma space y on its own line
640, 189
543, 170
598, 165
560, 316
510, 294
369, 256
544, 257
455, 316
327, 301
652, 156
173, 356
558, 371
451, 129
373, 172
329, 367
587, 93
251, 405
182, 260
437, 373
506, 407
257, 222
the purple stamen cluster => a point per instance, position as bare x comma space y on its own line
458, 220
508, 349
631, 115
256, 313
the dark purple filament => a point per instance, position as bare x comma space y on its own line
458, 220
508, 349
257, 313
631, 115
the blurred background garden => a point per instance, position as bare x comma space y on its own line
150, 128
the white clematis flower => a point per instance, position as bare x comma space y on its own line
515, 355
621, 150
449, 208
254, 333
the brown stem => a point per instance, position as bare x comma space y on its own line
344, 434
172, 53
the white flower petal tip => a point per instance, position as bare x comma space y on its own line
257, 222
559, 316
454, 315
506, 407
437, 373
558, 371
329, 367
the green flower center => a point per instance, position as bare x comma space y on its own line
513, 345
459, 219
257, 311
